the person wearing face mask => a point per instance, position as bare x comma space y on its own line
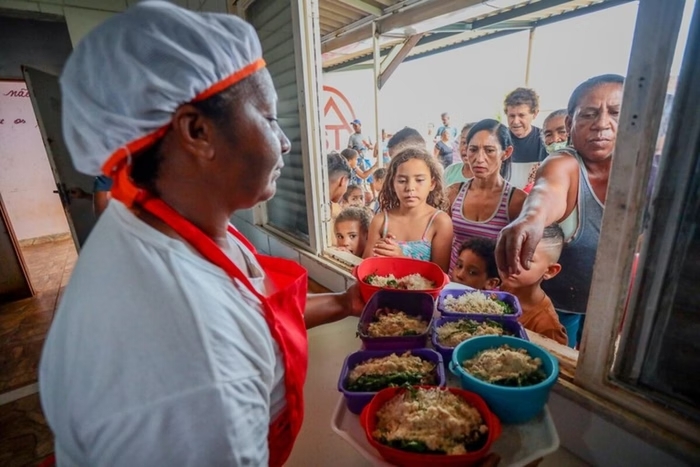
555, 138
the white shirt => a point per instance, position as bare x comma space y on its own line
156, 358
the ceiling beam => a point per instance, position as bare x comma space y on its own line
403, 16
363, 6
514, 24
362, 33
394, 62
423, 12
516, 13
390, 56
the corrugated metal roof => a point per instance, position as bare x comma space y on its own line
335, 14
484, 21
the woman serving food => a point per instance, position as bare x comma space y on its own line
175, 342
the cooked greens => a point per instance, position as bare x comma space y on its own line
451, 333
393, 370
506, 366
430, 421
389, 322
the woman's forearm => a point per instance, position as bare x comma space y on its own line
325, 308
548, 199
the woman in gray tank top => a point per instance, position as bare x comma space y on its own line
570, 188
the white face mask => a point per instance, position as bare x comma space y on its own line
554, 147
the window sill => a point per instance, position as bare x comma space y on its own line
620, 417
566, 355
623, 419
343, 258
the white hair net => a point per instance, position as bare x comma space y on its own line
125, 79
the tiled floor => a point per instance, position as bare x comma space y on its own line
24, 324
25, 439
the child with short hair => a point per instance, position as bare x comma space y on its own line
376, 185
538, 311
353, 197
351, 228
476, 264
414, 223
339, 173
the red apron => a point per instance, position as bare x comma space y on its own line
284, 313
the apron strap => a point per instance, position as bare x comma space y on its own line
201, 242
234, 231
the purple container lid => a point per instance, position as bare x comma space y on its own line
413, 304
511, 326
356, 401
510, 299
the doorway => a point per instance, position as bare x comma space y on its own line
28, 187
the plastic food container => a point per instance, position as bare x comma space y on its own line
510, 404
356, 401
415, 304
510, 299
395, 456
509, 325
399, 267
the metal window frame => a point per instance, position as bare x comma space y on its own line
305, 27
653, 47
656, 282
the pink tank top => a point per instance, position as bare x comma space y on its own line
465, 228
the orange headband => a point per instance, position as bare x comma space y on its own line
118, 165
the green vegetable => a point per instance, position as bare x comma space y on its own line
507, 310
410, 445
478, 442
372, 383
529, 379
470, 326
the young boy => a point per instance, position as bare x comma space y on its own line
476, 264
538, 312
351, 228
376, 185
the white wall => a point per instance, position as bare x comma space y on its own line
26, 180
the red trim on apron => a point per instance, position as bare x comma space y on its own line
284, 314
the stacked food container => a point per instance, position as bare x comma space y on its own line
413, 327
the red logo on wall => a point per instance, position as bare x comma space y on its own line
338, 114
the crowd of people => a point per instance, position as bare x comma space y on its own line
511, 207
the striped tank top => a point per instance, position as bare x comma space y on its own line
416, 249
465, 228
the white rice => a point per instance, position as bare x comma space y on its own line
410, 282
474, 302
